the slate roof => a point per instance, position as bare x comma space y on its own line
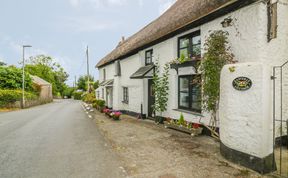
180, 15
39, 81
141, 72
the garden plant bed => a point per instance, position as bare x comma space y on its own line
192, 131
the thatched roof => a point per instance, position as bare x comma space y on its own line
180, 15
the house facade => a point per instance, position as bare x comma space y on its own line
258, 32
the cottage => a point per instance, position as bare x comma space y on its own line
45, 89
258, 35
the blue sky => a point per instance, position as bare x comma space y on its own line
63, 28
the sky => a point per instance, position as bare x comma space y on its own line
63, 28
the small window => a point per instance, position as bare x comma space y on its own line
189, 93
149, 57
102, 93
125, 95
104, 74
190, 45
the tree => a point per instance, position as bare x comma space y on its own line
2, 63
46, 68
82, 82
11, 78
161, 88
96, 85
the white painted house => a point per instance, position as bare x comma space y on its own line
183, 29
258, 35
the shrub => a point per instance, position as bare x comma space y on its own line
11, 96
89, 98
77, 95
11, 79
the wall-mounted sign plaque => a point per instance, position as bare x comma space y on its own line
242, 83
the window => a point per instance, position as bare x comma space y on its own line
104, 74
189, 93
190, 45
102, 93
125, 95
149, 57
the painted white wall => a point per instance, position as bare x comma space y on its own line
247, 37
245, 122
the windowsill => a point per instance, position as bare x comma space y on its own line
125, 102
189, 112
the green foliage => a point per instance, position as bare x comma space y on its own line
77, 95
89, 98
68, 92
182, 59
161, 88
11, 96
217, 55
46, 68
82, 82
96, 85
181, 120
11, 78
2, 63
100, 103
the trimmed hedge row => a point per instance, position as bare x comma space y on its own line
11, 96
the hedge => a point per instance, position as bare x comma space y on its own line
77, 95
11, 96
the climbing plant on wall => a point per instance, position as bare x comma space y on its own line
160, 86
217, 55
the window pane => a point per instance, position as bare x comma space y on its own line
184, 84
196, 50
196, 40
184, 52
184, 42
184, 92
184, 100
196, 96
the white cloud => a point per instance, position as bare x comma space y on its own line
164, 5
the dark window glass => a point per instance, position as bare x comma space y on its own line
125, 95
104, 74
190, 45
149, 57
189, 94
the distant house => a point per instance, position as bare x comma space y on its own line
257, 30
45, 89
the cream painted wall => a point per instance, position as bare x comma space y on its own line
246, 124
248, 39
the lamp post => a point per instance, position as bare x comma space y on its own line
23, 76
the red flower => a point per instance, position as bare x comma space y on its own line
196, 126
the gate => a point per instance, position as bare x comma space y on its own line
280, 119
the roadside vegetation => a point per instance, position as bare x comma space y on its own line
42, 66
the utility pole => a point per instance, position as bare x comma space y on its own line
23, 76
88, 80
75, 83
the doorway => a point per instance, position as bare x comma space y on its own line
151, 98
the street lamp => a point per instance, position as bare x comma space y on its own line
23, 76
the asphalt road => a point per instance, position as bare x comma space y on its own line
54, 140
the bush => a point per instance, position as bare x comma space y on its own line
89, 98
68, 92
11, 79
77, 95
11, 96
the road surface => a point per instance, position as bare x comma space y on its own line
54, 140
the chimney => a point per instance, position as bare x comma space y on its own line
121, 41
